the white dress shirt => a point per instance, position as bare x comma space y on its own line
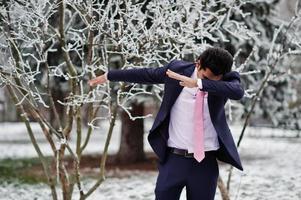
181, 121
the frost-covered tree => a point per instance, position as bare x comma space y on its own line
273, 106
271, 81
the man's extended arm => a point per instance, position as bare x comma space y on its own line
142, 75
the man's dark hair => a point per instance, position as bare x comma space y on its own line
218, 60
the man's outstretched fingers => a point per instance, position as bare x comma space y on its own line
174, 75
98, 80
93, 82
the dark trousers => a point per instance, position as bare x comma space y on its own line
200, 179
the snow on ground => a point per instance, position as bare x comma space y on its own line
15, 133
271, 167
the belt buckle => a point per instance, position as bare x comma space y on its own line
188, 155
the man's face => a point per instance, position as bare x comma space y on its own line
207, 73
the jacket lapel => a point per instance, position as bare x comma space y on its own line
172, 91
175, 88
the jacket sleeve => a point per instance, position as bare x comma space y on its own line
155, 75
230, 87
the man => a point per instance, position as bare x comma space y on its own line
190, 130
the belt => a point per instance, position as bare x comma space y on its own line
184, 152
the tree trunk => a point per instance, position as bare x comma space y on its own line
57, 94
131, 143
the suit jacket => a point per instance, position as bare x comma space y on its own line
218, 93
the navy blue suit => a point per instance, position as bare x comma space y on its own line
218, 93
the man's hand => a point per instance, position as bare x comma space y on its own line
184, 80
98, 80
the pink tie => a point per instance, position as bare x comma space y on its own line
199, 153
